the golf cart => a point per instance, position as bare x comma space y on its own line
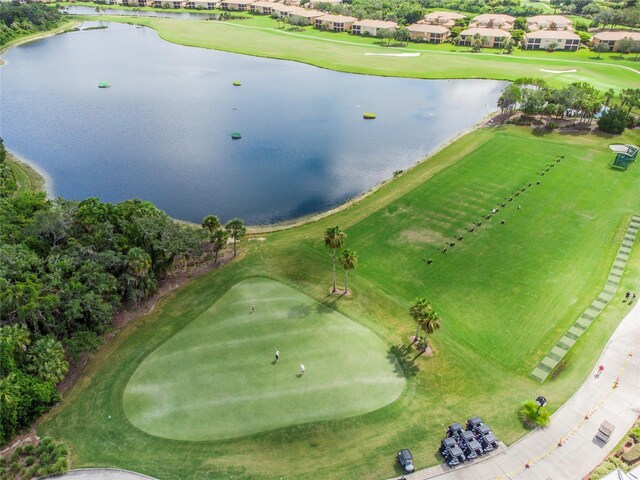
486, 438
451, 452
454, 430
405, 459
470, 446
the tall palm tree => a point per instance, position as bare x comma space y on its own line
236, 230
349, 261
211, 223
417, 310
218, 241
431, 323
334, 238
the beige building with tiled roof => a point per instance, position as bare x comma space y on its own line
542, 40
261, 7
446, 19
548, 22
494, 37
493, 20
283, 10
371, 27
239, 5
308, 15
422, 32
202, 4
612, 38
335, 23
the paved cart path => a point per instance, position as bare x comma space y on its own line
567, 448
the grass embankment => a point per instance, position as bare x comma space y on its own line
35, 36
27, 178
506, 293
260, 36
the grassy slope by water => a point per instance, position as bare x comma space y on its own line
505, 296
26, 177
344, 52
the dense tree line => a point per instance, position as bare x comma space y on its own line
408, 12
18, 20
65, 269
580, 101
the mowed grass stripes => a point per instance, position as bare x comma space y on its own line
218, 378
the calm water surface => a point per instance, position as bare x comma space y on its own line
162, 131
197, 15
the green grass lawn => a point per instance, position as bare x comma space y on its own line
506, 293
260, 36
229, 385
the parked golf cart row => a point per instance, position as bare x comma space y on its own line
461, 445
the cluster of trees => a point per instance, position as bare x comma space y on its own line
422, 312
611, 18
219, 236
18, 20
334, 239
580, 100
65, 269
407, 12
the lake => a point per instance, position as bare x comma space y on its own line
162, 131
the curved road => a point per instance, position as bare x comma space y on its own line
567, 448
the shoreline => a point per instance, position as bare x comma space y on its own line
37, 36
36, 179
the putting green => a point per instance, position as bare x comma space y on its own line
217, 378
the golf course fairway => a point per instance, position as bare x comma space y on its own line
218, 378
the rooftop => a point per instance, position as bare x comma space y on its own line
376, 24
559, 34
426, 28
337, 18
617, 35
486, 32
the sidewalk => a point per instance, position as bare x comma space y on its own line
567, 448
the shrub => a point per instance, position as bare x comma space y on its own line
635, 433
613, 121
632, 455
531, 416
605, 468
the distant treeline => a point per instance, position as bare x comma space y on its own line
66, 267
18, 20
410, 11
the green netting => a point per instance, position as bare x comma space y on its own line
624, 159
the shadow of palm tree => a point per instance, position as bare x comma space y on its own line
400, 357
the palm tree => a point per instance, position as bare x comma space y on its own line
211, 223
138, 262
47, 359
417, 310
236, 230
431, 323
349, 261
218, 241
334, 239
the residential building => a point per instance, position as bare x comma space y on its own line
493, 37
202, 4
309, 16
371, 27
282, 10
548, 22
261, 7
446, 19
335, 23
543, 39
238, 5
493, 20
421, 32
612, 38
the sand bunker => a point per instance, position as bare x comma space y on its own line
395, 54
573, 70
